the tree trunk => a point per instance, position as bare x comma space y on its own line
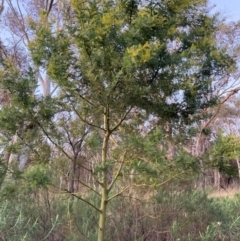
72, 177
103, 214
217, 177
104, 191
238, 164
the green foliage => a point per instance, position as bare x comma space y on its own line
46, 109
124, 55
186, 215
42, 216
226, 146
225, 149
9, 190
37, 176
94, 142
186, 162
28, 218
3, 170
20, 85
166, 213
145, 158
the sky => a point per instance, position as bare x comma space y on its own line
229, 8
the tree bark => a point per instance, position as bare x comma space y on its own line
104, 191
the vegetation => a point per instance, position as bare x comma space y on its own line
115, 142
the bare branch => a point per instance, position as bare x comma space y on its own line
83, 120
49, 7
119, 193
121, 120
55, 88
1, 6
90, 188
231, 93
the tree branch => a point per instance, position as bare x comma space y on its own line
80, 117
84, 200
117, 174
118, 194
121, 120
234, 91
87, 186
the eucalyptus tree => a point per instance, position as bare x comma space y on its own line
15, 23
225, 134
225, 86
118, 65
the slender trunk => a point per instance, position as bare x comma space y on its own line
13, 157
170, 145
23, 158
72, 176
238, 164
71, 185
104, 191
217, 179
103, 214
5, 168
201, 146
45, 83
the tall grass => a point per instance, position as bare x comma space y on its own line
165, 216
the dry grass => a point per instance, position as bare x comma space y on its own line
228, 192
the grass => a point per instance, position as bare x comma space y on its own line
228, 192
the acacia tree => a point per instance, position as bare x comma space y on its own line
113, 62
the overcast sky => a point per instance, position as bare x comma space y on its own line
229, 8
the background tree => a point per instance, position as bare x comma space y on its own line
16, 23
225, 88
